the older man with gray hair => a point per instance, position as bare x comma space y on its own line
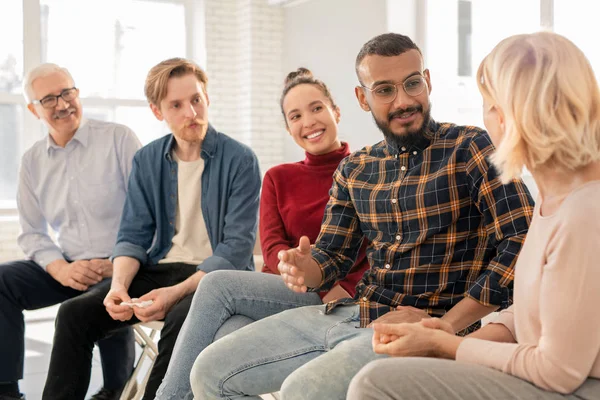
74, 180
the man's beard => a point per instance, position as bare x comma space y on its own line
411, 137
190, 135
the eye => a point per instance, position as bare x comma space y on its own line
385, 90
196, 100
413, 83
317, 108
175, 105
294, 117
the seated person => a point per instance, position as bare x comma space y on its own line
292, 203
541, 106
75, 181
443, 236
191, 209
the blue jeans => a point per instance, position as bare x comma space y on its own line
225, 301
308, 354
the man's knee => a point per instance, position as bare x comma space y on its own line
204, 377
69, 311
215, 282
8, 278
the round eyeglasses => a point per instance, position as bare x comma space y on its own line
387, 92
51, 101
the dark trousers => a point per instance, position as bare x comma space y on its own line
84, 320
24, 285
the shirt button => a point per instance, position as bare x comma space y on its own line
388, 266
398, 237
403, 148
364, 299
403, 168
394, 201
415, 153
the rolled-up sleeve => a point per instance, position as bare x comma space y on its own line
340, 239
507, 211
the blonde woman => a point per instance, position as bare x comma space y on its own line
542, 111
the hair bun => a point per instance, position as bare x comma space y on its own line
300, 72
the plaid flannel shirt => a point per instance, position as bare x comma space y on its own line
440, 224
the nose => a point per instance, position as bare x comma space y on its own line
402, 100
61, 104
190, 112
309, 121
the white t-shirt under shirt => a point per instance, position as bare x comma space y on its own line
191, 244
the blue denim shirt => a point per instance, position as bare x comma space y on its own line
229, 201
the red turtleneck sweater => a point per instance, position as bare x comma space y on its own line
292, 203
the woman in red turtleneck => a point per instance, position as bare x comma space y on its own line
292, 204
294, 195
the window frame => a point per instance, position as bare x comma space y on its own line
32, 56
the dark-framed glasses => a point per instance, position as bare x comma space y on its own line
387, 92
51, 100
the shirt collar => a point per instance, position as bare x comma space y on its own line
209, 144
81, 135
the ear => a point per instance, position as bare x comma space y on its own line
156, 112
337, 113
31, 108
362, 99
427, 79
501, 118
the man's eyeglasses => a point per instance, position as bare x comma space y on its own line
387, 92
51, 101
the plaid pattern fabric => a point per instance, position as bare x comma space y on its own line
439, 223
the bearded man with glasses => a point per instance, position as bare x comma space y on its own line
443, 234
73, 180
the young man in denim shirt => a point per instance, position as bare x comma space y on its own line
191, 209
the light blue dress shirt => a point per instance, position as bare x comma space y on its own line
78, 190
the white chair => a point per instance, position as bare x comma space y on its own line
145, 336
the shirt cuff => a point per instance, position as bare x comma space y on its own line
45, 257
488, 291
327, 271
126, 249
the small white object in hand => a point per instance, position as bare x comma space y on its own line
137, 303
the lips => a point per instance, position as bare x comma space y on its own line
63, 113
314, 134
406, 114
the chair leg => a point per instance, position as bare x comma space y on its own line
133, 390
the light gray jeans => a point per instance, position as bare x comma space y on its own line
225, 301
438, 379
308, 354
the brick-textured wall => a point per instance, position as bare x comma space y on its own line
244, 40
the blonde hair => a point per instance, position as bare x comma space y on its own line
155, 87
41, 71
550, 98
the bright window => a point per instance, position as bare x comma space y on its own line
108, 46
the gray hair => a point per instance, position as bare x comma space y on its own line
40, 71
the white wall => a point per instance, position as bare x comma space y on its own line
325, 36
